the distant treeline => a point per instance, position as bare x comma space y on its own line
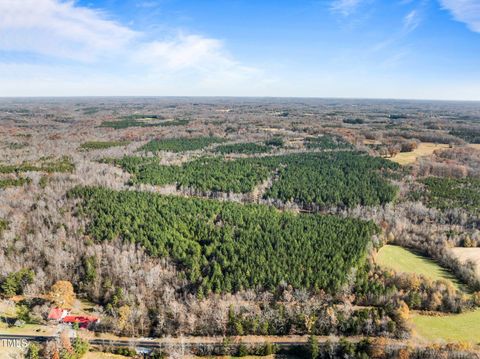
100, 145
180, 144
141, 121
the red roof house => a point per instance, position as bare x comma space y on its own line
83, 320
57, 314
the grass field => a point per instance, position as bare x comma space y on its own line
455, 327
402, 260
423, 149
466, 254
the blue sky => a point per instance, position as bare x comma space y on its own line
421, 49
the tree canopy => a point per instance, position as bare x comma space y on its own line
226, 247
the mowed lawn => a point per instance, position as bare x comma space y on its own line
455, 327
402, 260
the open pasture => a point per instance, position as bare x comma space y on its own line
402, 260
423, 149
463, 327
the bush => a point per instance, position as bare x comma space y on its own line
3, 225
313, 347
275, 142
242, 350
33, 351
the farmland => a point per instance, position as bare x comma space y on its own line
463, 327
404, 261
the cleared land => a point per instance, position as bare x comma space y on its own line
423, 149
457, 327
466, 254
402, 260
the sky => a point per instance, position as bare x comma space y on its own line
409, 49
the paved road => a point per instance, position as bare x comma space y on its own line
138, 343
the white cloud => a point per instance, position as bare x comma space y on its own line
411, 21
59, 29
184, 51
466, 11
345, 7
85, 40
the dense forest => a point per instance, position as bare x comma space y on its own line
445, 193
100, 145
227, 247
311, 179
141, 121
245, 148
180, 144
211, 174
343, 179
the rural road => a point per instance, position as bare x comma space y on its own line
137, 343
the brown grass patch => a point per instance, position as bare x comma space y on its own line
423, 149
466, 254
